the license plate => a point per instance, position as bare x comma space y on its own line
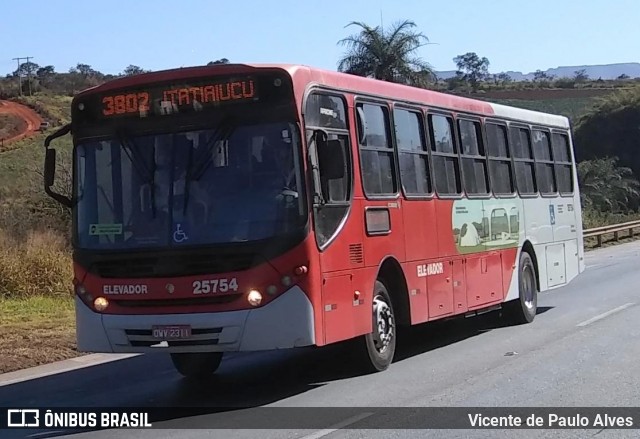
171, 332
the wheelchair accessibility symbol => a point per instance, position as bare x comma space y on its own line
179, 235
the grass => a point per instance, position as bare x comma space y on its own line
36, 330
38, 265
10, 125
573, 108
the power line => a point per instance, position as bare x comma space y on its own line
20, 76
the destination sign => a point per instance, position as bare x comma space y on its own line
183, 96
172, 98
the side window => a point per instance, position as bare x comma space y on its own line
325, 111
376, 150
523, 157
332, 167
444, 155
474, 164
500, 168
563, 165
545, 175
412, 152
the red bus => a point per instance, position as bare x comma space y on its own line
259, 207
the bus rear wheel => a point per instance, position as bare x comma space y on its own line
380, 344
524, 309
197, 364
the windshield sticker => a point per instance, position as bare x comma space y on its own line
179, 235
105, 229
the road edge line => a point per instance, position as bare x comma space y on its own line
58, 367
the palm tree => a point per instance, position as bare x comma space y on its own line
386, 55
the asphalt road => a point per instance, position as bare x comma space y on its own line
582, 350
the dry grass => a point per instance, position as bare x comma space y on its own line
40, 265
10, 125
36, 330
36, 302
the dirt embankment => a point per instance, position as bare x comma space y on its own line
32, 120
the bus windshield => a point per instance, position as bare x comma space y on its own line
236, 183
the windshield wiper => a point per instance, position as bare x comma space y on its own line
223, 131
148, 175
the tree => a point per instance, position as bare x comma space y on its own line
43, 72
542, 78
611, 129
45, 75
27, 69
580, 76
607, 187
83, 69
218, 61
386, 54
503, 78
472, 68
134, 70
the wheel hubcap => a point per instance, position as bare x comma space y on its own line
527, 287
384, 324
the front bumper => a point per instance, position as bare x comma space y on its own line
286, 322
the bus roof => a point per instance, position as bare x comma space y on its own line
354, 84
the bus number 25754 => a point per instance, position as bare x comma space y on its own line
215, 286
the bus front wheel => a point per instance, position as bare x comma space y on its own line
380, 344
197, 364
524, 309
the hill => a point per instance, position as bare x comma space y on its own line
604, 71
572, 103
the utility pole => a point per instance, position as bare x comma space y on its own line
20, 76
29, 75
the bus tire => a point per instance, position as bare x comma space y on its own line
380, 344
523, 310
197, 364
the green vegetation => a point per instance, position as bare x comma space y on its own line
55, 109
611, 129
34, 230
573, 108
388, 55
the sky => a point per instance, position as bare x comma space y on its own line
162, 34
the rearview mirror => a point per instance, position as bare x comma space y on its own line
331, 159
50, 167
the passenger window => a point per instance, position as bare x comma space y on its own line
376, 151
500, 168
446, 167
545, 175
562, 163
412, 152
474, 164
521, 150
